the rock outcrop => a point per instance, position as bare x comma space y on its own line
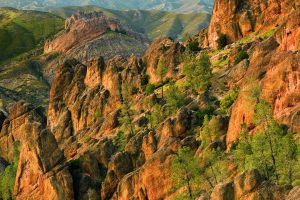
89, 35
237, 19
167, 50
249, 186
42, 171
280, 85
13, 127
81, 93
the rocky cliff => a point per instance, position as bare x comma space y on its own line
90, 35
237, 19
106, 136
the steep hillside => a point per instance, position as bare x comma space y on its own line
21, 31
153, 23
179, 122
182, 6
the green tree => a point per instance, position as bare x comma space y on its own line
270, 150
156, 116
126, 109
161, 71
7, 178
150, 88
211, 131
185, 174
198, 73
240, 56
228, 100
214, 165
174, 98
120, 141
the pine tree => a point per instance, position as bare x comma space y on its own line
126, 111
174, 98
214, 166
198, 73
186, 173
271, 149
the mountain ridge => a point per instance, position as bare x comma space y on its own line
180, 6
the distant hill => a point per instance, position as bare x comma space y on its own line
181, 6
21, 31
153, 23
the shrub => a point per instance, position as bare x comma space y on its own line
222, 41
75, 164
134, 90
120, 141
228, 100
240, 56
144, 79
150, 88
174, 98
193, 46
7, 178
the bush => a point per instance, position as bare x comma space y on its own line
175, 98
198, 73
150, 88
228, 100
222, 41
134, 90
7, 178
296, 183
76, 163
120, 141
240, 56
193, 46
144, 79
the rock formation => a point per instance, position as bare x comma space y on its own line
279, 84
81, 149
237, 19
88, 35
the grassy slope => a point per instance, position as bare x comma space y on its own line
153, 23
22, 34
21, 31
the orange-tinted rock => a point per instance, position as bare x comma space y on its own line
13, 128
249, 186
42, 172
153, 180
294, 194
237, 19
82, 27
275, 67
166, 49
